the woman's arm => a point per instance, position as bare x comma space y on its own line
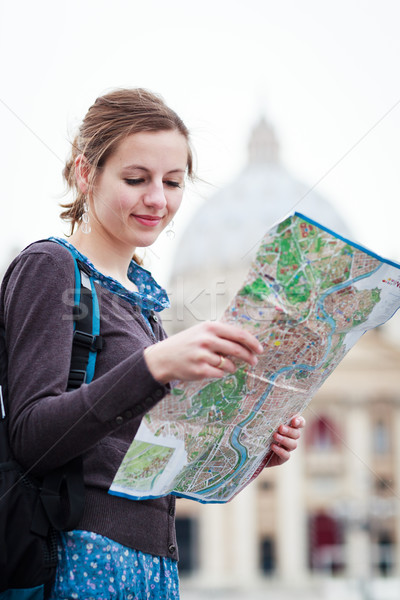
49, 426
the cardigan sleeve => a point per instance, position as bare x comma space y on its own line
48, 425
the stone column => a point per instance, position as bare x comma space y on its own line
229, 542
213, 545
396, 444
292, 547
358, 462
242, 521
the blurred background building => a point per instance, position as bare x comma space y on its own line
332, 512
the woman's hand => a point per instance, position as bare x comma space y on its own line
286, 438
204, 351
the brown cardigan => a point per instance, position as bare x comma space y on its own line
49, 426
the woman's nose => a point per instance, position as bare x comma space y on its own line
155, 196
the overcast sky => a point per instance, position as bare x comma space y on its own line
325, 73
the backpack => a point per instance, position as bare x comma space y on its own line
32, 511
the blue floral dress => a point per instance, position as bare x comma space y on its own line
91, 566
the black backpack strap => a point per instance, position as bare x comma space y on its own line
62, 490
62, 499
87, 340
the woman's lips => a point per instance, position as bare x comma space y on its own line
147, 220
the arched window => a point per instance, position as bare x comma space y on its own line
321, 434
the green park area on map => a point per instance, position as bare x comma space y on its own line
149, 462
309, 295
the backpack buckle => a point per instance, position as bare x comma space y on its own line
93, 342
76, 378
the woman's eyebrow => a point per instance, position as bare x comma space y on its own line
176, 171
133, 167
140, 168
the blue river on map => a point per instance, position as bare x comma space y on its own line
236, 444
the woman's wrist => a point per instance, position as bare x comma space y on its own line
157, 364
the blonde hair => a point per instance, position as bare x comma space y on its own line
108, 121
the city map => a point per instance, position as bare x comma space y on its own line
308, 296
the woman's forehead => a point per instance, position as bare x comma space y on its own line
139, 150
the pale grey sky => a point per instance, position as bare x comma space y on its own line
324, 72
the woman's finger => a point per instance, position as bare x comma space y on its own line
234, 350
298, 421
223, 363
286, 442
236, 334
291, 432
281, 452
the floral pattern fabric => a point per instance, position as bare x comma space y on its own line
151, 296
93, 567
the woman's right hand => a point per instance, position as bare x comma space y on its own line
204, 351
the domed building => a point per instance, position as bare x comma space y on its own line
333, 508
216, 249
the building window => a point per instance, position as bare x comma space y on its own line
267, 556
187, 538
266, 485
321, 434
380, 437
385, 553
384, 485
326, 544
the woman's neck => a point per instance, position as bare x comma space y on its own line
107, 259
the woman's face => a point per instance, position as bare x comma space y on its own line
139, 189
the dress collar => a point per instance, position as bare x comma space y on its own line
151, 295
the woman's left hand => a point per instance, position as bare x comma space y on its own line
285, 440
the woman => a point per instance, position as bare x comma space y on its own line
128, 169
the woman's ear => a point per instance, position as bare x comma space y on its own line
82, 172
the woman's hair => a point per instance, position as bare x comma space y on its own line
108, 121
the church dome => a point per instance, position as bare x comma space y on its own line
228, 227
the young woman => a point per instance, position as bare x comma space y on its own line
128, 168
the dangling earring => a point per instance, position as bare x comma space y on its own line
85, 219
170, 233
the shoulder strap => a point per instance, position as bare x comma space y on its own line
87, 340
62, 491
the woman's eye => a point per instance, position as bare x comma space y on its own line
174, 184
134, 181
